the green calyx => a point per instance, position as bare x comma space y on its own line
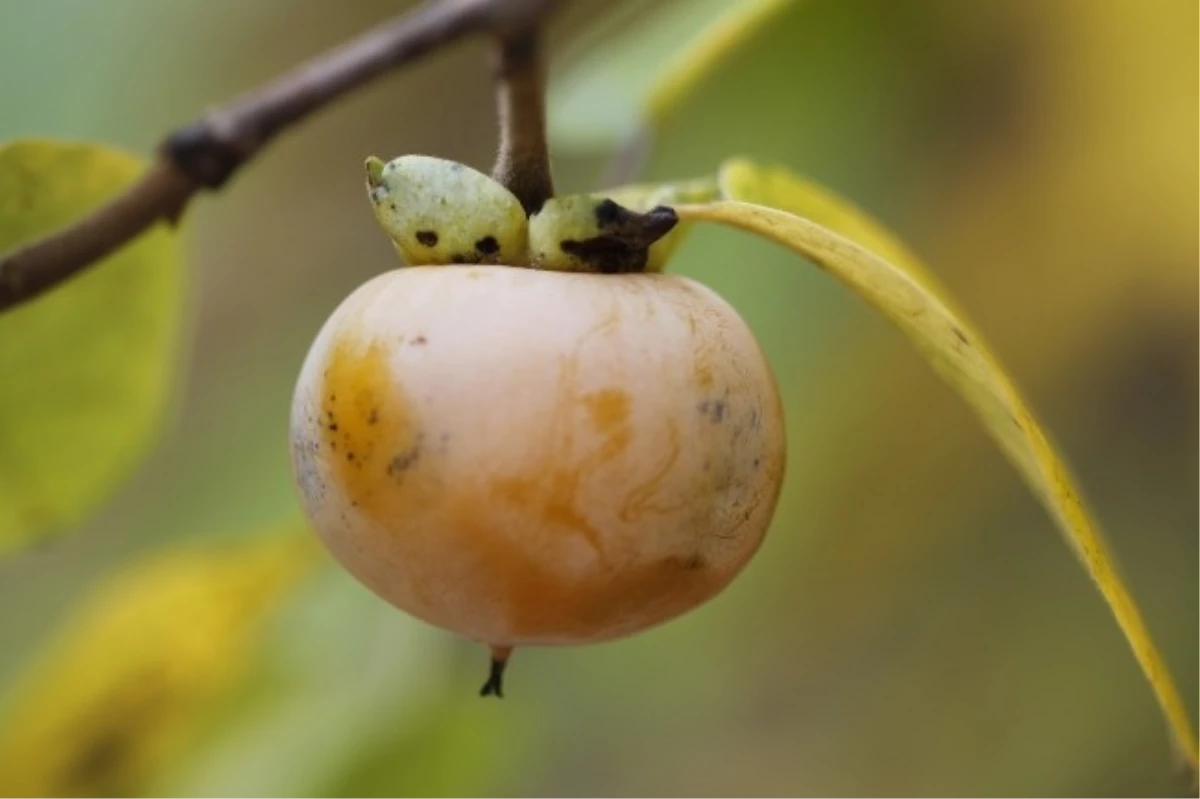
439, 212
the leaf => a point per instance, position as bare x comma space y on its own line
341, 670
123, 683
615, 90
84, 369
777, 187
909, 296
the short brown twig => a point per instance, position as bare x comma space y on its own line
523, 161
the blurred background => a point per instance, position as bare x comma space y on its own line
913, 623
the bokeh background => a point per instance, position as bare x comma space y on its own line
913, 624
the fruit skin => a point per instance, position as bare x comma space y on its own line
527, 457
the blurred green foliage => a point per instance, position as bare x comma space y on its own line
87, 369
912, 625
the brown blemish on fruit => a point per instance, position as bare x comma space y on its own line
713, 409
608, 408
553, 497
405, 460
550, 489
427, 237
546, 603
641, 499
356, 387
689, 563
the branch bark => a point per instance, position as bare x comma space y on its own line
206, 153
523, 161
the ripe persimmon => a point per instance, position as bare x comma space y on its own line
527, 457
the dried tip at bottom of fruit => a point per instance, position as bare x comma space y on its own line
495, 681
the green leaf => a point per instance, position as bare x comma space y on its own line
349, 697
340, 670
616, 89
119, 691
84, 369
881, 271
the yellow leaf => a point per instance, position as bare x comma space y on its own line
778, 187
118, 688
909, 296
85, 369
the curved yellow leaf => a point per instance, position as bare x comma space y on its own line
779, 187
119, 687
85, 370
958, 353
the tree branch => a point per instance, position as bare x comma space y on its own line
523, 161
206, 153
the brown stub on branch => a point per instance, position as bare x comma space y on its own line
206, 158
623, 243
523, 161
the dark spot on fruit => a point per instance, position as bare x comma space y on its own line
713, 409
427, 237
757, 462
403, 461
961, 336
333, 427
488, 245
392, 206
373, 416
692, 562
420, 341
350, 456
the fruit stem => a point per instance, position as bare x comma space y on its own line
495, 681
523, 161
